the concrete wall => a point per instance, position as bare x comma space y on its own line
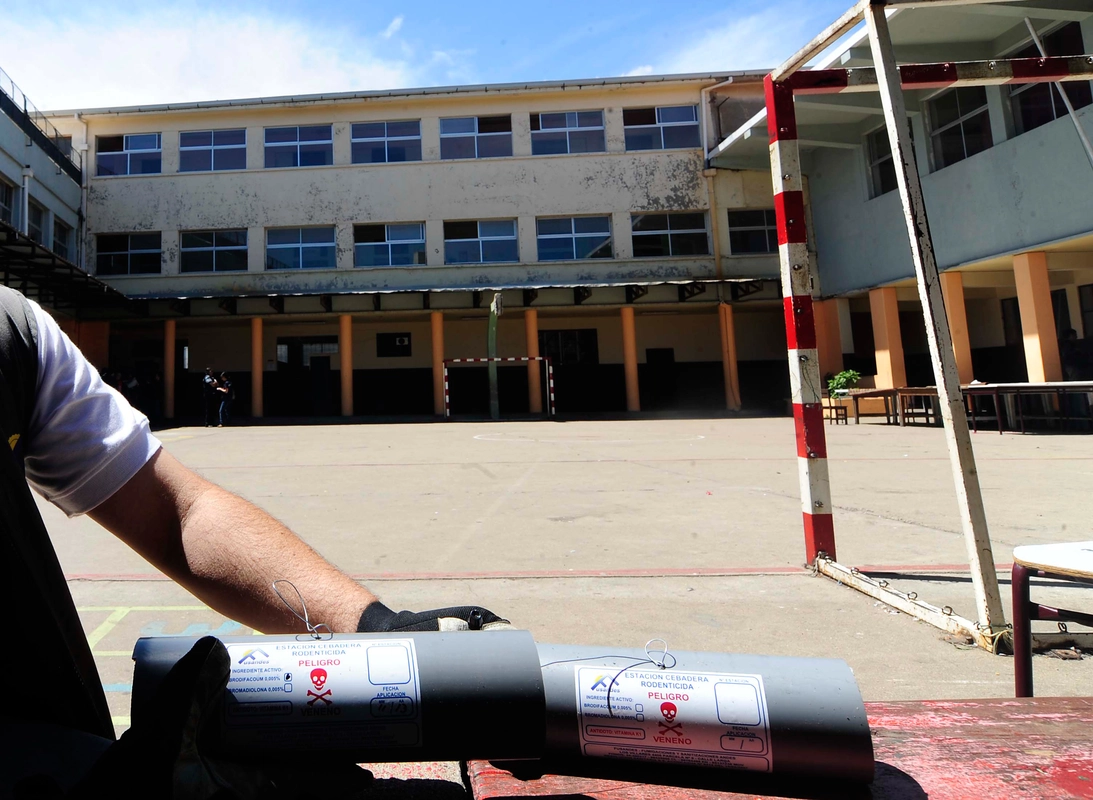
1021, 193
51, 188
614, 183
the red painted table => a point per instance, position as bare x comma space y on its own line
945, 750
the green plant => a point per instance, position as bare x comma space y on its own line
840, 382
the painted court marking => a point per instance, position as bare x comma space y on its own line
505, 437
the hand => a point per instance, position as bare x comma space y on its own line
378, 618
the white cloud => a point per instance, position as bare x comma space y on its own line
393, 28
756, 41
170, 56
644, 69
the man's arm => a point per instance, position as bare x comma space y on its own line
226, 550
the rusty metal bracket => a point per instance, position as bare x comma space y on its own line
580, 294
227, 304
636, 293
530, 296
180, 306
327, 302
377, 304
476, 299
742, 289
277, 304
689, 290
425, 301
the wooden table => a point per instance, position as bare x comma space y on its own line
1071, 561
1014, 391
888, 395
942, 750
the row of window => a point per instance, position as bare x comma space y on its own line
37, 222
958, 120
490, 241
554, 133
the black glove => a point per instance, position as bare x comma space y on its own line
378, 618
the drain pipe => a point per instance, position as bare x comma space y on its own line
1062, 93
709, 175
81, 243
704, 121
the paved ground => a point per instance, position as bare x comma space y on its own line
616, 532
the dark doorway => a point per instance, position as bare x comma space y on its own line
304, 384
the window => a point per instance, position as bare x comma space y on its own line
393, 345
389, 245
1011, 322
960, 125
205, 151
1036, 104
7, 201
128, 254
1085, 304
567, 132
571, 238
882, 169
570, 347
308, 146
753, 231
132, 154
62, 238
658, 235
661, 128
36, 222
476, 137
488, 241
382, 142
213, 251
300, 248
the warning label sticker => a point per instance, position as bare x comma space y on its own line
324, 692
702, 719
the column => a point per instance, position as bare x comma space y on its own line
630, 359
345, 353
1037, 318
437, 320
535, 368
884, 308
952, 289
828, 339
728, 357
93, 339
257, 367
169, 369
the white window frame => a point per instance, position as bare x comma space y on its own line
475, 135
212, 148
670, 230
214, 248
7, 205
932, 132
43, 226
301, 246
660, 126
572, 236
388, 241
128, 152
297, 144
568, 129
64, 241
767, 228
129, 252
480, 239
386, 139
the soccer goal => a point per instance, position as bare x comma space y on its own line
547, 368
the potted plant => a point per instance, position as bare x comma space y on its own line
840, 384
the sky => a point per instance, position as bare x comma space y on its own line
109, 53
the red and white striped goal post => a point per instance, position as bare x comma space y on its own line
521, 359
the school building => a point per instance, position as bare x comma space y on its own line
331, 251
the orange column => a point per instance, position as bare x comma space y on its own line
630, 359
535, 384
1037, 317
728, 357
828, 340
345, 353
93, 339
952, 289
437, 320
257, 367
891, 372
169, 330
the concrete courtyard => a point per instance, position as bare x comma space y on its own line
614, 533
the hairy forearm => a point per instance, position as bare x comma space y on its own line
227, 551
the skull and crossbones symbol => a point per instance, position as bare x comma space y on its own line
669, 711
318, 680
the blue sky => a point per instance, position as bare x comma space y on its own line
99, 53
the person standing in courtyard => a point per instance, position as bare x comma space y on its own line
227, 395
212, 397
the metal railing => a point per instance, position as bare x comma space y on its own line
39, 120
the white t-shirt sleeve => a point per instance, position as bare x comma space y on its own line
84, 441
